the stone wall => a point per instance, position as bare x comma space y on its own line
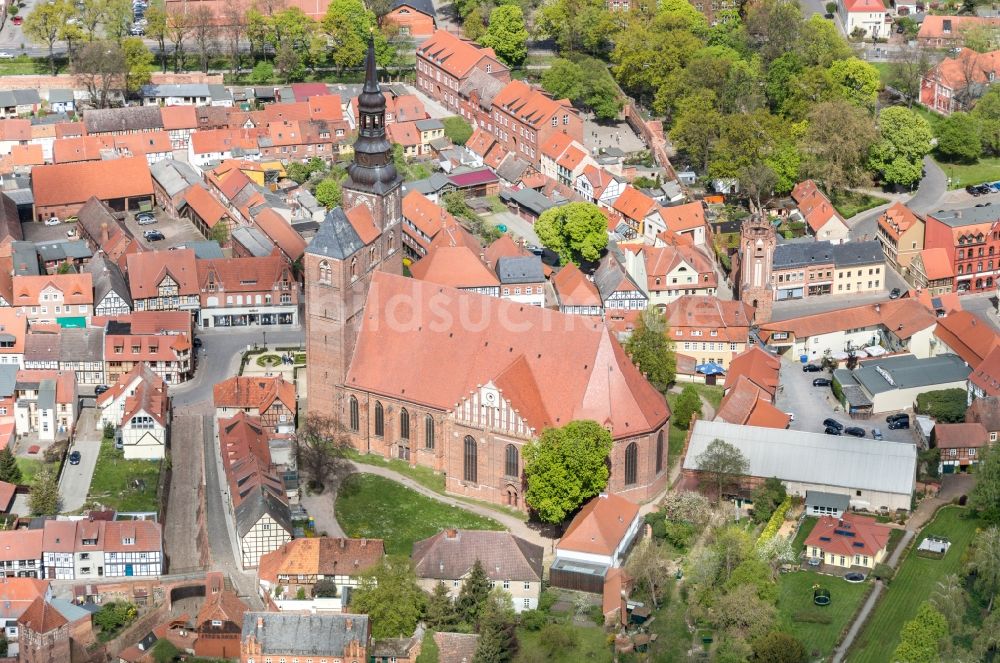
651, 132
67, 81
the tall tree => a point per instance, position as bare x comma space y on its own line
205, 33
778, 647
907, 69
348, 25
44, 499
117, 19
650, 349
10, 471
580, 26
138, 64
72, 34
773, 27
697, 126
820, 43
440, 614
320, 444
950, 600
958, 138
506, 35
328, 193
904, 140
837, 143
565, 467
178, 28
156, 28
91, 15
922, 637
45, 24
985, 562
722, 464
389, 595
857, 81
472, 597
688, 404
648, 565
100, 67
985, 496
497, 640
577, 232
766, 498
563, 79
234, 30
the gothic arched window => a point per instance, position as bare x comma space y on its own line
354, 268
404, 424
429, 432
510, 461
379, 419
354, 414
659, 452
469, 467
325, 275
631, 464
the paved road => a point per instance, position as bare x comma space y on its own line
74, 484
931, 189
184, 526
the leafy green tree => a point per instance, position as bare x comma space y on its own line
651, 351
473, 595
329, 193
922, 636
959, 139
349, 24
987, 112
45, 24
944, 405
697, 127
600, 93
91, 15
688, 404
857, 81
722, 464
773, 27
288, 63
904, 139
474, 25
117, 19
820, 43
576, 231
506, 35
10, 471
647, 565
44, 499
115, 615
766, 498
565, 467
220, 233
497, 640
390, 596
178, 28
742, 613
325, 588
985, 562
263, 72
837, 143
156, 28
985, 496
441, 614
139, 64
164, 651
457, 130
578, 26
778, 647
563, 80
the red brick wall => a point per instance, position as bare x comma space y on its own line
411, 22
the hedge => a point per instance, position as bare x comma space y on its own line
774, 524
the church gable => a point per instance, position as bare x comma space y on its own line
487, 407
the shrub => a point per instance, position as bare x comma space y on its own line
679, 535
883, 572
56, 451
547, 600
596, 614
774, 524
533, 620
944, 405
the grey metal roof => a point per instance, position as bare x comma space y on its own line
529, 199
63, 249
956, 218
829, 500
433, 184
304, 634
336, 237
219, 92
429, 125
422, 6
520, 269
787, 256
263, 92
174, 175
60, 96
27, 97
249, 512
25, 259
107, 277
70, 611
8, 379
254, 241
852, 254
512, 169
792, 455
7, 99
47, 394
907, 372
21, 196
206, 249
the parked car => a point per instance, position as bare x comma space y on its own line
973, 190
74, 458
896, 293
100, 389
137, 32
145, 218
854, 431
899, 424
833, 423
830, 430
4, 55
877, 433
153, 235
52, 221
17, 20
811, 368
822, 382
899, 416
71, 233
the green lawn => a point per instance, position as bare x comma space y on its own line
800, 617
673, 637
799, 544
29, 468
373, 507
850, 203
23, 65
986, 169
884, 69
913, 584
113, 477
589, 644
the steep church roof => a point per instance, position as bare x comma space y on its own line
336, 237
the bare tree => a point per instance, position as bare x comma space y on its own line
907, 70
321, 442
100, 67
178, 28
648, 564
234, 28
205, 31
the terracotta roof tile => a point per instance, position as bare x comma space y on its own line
456, 56
758, 366
574, 288
730, 320
937, 265
76, 289
969, 336
253, 392
451, 554
683, 217
898, 219
75, 183
986, 375
634, 204
903, 317
600, 525
205, 205
41, 617
179, 117
960, 436
867, 536
148, 269
328, 556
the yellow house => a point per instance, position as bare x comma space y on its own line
850, 540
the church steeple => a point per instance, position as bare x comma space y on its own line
373, 169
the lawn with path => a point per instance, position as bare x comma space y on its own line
805, 527
913, 584
112, 485
370, 506
986, 169
817, 627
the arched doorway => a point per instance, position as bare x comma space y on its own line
511, 495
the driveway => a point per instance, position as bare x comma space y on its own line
811, 405
74, 483
516, 225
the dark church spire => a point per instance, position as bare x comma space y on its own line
373, 167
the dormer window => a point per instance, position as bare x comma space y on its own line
128, 541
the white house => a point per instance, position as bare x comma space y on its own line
598, 538
139, 408
263, 524
868, 16
46, 403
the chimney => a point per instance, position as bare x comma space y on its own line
105, 236
348, 624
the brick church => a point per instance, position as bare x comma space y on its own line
452, 380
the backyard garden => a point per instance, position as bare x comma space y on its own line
123, 485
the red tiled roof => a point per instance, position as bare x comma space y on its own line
554, 147
205, 205
683, 217
933, 26
145, 534
574, 288
758, 366
747, 404
455, 266
897, 219
428, 217
281, 233
937, 265
986, 375
531, 106
179, 117
600, 525
454, 55
729, 319
903, 317
960, 436
634, 204
146, 270
41, 617
404, 133
327, 556
867, 6
867, 536
253, 392
76, 289
75, 183
970, 337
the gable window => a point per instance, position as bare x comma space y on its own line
379, 419
511, 461
404, 424
354, 413
631, 464
469, 468
428, 432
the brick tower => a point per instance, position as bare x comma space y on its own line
757, 242
352, 243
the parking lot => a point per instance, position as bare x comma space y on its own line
35, 231
811, 405
175, 231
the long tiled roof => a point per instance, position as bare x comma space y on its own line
451, 554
